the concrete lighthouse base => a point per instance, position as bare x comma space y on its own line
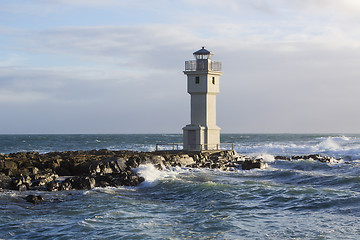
199, 138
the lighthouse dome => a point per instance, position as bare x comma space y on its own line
202, 54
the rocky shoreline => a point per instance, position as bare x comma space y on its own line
77, 170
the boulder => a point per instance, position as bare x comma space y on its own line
21, 183
186, 160
35, 199
106, 168
282, 158
80, 183
10, 165
181, 160
254, 163
125, 178
22, 187
133, 162
5, 181
53, 186
157, 160
102, 167
317, 157
43, 179
33, 170
65, 186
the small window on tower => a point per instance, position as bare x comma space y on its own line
213, 80
197, 80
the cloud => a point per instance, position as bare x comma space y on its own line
288, 65
117, 45
135, 73
23, 97
324, 6
310, 91
103, 99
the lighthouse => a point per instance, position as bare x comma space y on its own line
203, 80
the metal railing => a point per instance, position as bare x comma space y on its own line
202, 147
231, 144
173, 146
190, 65
202, 65
194, 147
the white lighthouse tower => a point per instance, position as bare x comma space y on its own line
203, 85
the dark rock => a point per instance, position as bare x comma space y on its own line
65, 186
215, 166
103, 152
255, 163
317, 157
118, 164
159, 166
10, 165
64, 169
125, 178
53, 186
5, 181
35, 199
40, 180
133, 162
21, 183
11, 172
32, 155
102, 167
81, 183
24, 171
135, 180
22, 187
33, 170
281, 158
157, 160
183, 160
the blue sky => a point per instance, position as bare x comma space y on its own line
112, 66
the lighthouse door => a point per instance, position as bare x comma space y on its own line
192, 139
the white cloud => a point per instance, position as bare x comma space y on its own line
288, 65
334, 6
21, 97
12, 59
106, 41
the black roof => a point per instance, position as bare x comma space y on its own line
202, 51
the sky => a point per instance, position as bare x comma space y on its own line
116, 66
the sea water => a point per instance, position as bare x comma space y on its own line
300, 199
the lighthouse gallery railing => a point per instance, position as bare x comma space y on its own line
202, 65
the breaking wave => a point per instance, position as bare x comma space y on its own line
340, 147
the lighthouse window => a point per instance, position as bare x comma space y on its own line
213, 80
197, 80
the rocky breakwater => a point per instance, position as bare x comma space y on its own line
311, 157
58, 171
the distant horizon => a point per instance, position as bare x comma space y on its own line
176, 133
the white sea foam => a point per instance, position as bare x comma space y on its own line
152, 175
267, 157
335, 146
336, 138
149, 172
110, 190
328, 144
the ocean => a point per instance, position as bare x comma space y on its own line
300, 199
